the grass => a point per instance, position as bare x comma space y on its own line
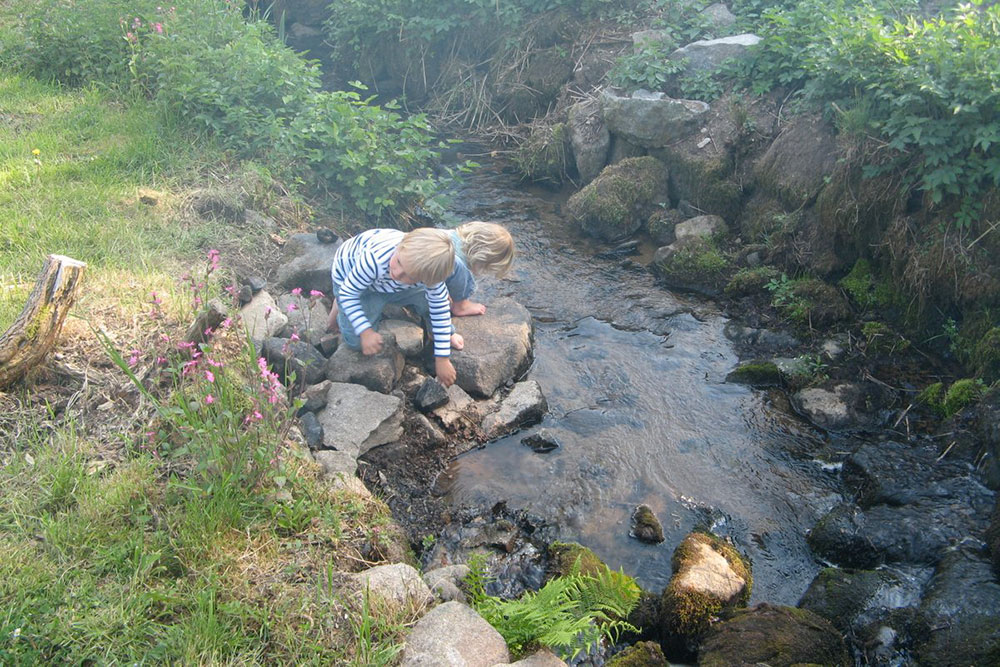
111, 552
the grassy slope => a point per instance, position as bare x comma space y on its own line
105, 554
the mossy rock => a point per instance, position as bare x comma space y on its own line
703, 181
815, 303
993, 538
645, 526
839, 595
544, 156
642, 654
757, 374
986, 356
961, 394
933, 397
751, 280
797, 164
686, 609
661, 224
565, 556
695, 265
617, 203
776, 636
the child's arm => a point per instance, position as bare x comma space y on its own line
440, 316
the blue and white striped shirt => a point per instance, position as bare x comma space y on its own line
362, 263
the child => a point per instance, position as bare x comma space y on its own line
382, 266
480, 247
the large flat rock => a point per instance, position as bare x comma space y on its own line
452, 634
356, 419
498, 347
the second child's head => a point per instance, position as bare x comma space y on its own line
488, 247
425, 255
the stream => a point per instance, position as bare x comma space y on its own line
635, 381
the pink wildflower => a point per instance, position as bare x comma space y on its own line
226, 323
134, 358
130, 37
213, 362
158, 27
292, 307
156, 301
297, 291
294, 336
315, 292
210, 376
209, 399
185, 345
160, 361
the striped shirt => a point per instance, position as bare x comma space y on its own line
362, 263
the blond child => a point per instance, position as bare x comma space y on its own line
480, 247
382, 266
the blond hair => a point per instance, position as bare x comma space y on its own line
429, 254
488, 247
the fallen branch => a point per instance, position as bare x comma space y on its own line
35, 331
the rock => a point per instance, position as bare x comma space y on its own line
620, 199
328, 344
541, 658
645, 526
661, 225
961, 612
537, 85
326, 235
651, 119
409, 336
452, 634
692, 264
262, 318
457, 407
207, 321
834, 409
893, 473
245, 295
589, 138
258, 221
445, 582
756, 374
544, 156
296, 357
498, 347
541, 442
567, 557
993, 537
446, 591
256, 283
314, 397
306, 263
708, 54
430, 396
423, 429
701, 227
840, 596
718, 15
986, 426
643, 38
797, 163
776, 636
312, 430
355, 419
397, 583
307, 318
640, 654
709, 576
524, 405
817, 304
336, 464
794, 368
378, 372
621, 250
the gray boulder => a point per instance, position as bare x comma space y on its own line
708, 54
431, 395
617, 203
498, 347
651, 119
701, 227
540, 658
453, 635
306, 317
355, 419
378, 372
589, 138
295, 356
336, 464
398, 583
306, 263
718, 15
409, 336
836, 408
262, 317
524, 405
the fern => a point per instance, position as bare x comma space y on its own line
569, 614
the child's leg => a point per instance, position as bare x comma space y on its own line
417, 300
467, 307
461, 285
372, 304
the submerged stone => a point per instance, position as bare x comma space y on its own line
541, 442
645, 526
756, 374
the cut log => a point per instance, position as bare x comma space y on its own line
36, 329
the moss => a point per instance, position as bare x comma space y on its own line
810, 302
617, 202
838, 595
961, 394
986, 356
757, 374
565, 556
751, 280
543, 156
661, 223
881, 339
641, 654
933, 397
697, 265
39, 322
691, 613
704, 182
645, 526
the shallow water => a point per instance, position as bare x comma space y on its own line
635, 380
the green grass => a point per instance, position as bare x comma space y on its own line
78, 195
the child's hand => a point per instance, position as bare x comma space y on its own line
371, 342
467, 307
446, 373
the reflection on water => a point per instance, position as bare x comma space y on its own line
637, 399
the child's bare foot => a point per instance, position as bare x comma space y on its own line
457, 341
331, 323
467, 307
